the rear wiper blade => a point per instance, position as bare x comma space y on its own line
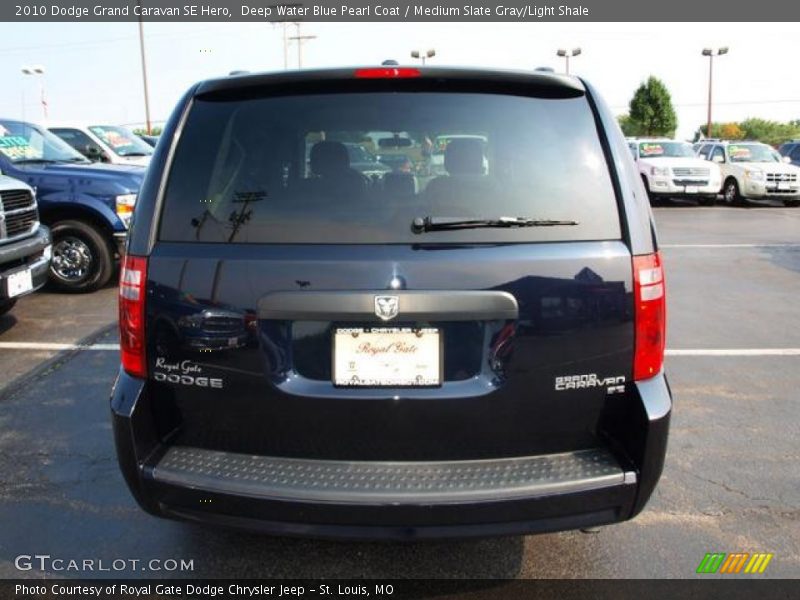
423, 224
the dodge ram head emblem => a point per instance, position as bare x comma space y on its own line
386, 307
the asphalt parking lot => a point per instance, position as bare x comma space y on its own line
731, 481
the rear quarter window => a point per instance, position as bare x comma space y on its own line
306, 169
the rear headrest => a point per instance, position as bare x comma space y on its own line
464, 157
329, 158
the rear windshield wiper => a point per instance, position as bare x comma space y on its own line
423, 224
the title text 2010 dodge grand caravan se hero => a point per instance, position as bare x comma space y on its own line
310, 350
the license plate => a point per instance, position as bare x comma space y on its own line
387, 357
691, 189
784, 186
19, 283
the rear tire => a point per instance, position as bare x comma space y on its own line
82, 257
732, 194
7, 305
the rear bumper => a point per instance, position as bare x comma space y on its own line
28, 253
399, 500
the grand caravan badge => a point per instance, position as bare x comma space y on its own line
614, 384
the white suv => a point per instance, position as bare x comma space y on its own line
752, 170
670, 169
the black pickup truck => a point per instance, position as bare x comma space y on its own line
308, 350
25, 245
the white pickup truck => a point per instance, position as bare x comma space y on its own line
670, 169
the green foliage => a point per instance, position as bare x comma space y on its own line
773, 133
143, 131
629, 127
651, 111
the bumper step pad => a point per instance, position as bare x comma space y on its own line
348, 482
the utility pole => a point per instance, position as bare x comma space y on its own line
299, 39
144, 71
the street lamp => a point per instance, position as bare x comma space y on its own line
566, 54
37, 71
423, 55
711, 53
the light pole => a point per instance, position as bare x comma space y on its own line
711, 53
566, 54
144, 71
423, 55
37, 71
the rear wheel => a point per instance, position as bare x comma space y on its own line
7, 305
732, 194
82, 257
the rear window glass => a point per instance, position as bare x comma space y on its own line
360, 167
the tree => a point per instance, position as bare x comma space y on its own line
629, 127
651, 109
725, 131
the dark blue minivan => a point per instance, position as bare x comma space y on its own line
86, 205
308, 349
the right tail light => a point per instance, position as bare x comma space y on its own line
132, 284
650, 315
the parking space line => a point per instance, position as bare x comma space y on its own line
669, 352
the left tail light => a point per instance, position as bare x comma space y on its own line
132, 283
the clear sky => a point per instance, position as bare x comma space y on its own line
93, 71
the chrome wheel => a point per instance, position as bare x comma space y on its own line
72, 259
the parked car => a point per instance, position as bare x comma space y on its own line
87, 206
25, 246
754, 171
397, 162
792, 150
482, 355
671, 169
365, 162
150, 140
105, 143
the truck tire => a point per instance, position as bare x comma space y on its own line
82, 257
731, 193
7, 305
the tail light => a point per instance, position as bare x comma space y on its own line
650, 315
131, 315
387, 73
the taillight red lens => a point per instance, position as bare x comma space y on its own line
650, 315
131, 315
387, 73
